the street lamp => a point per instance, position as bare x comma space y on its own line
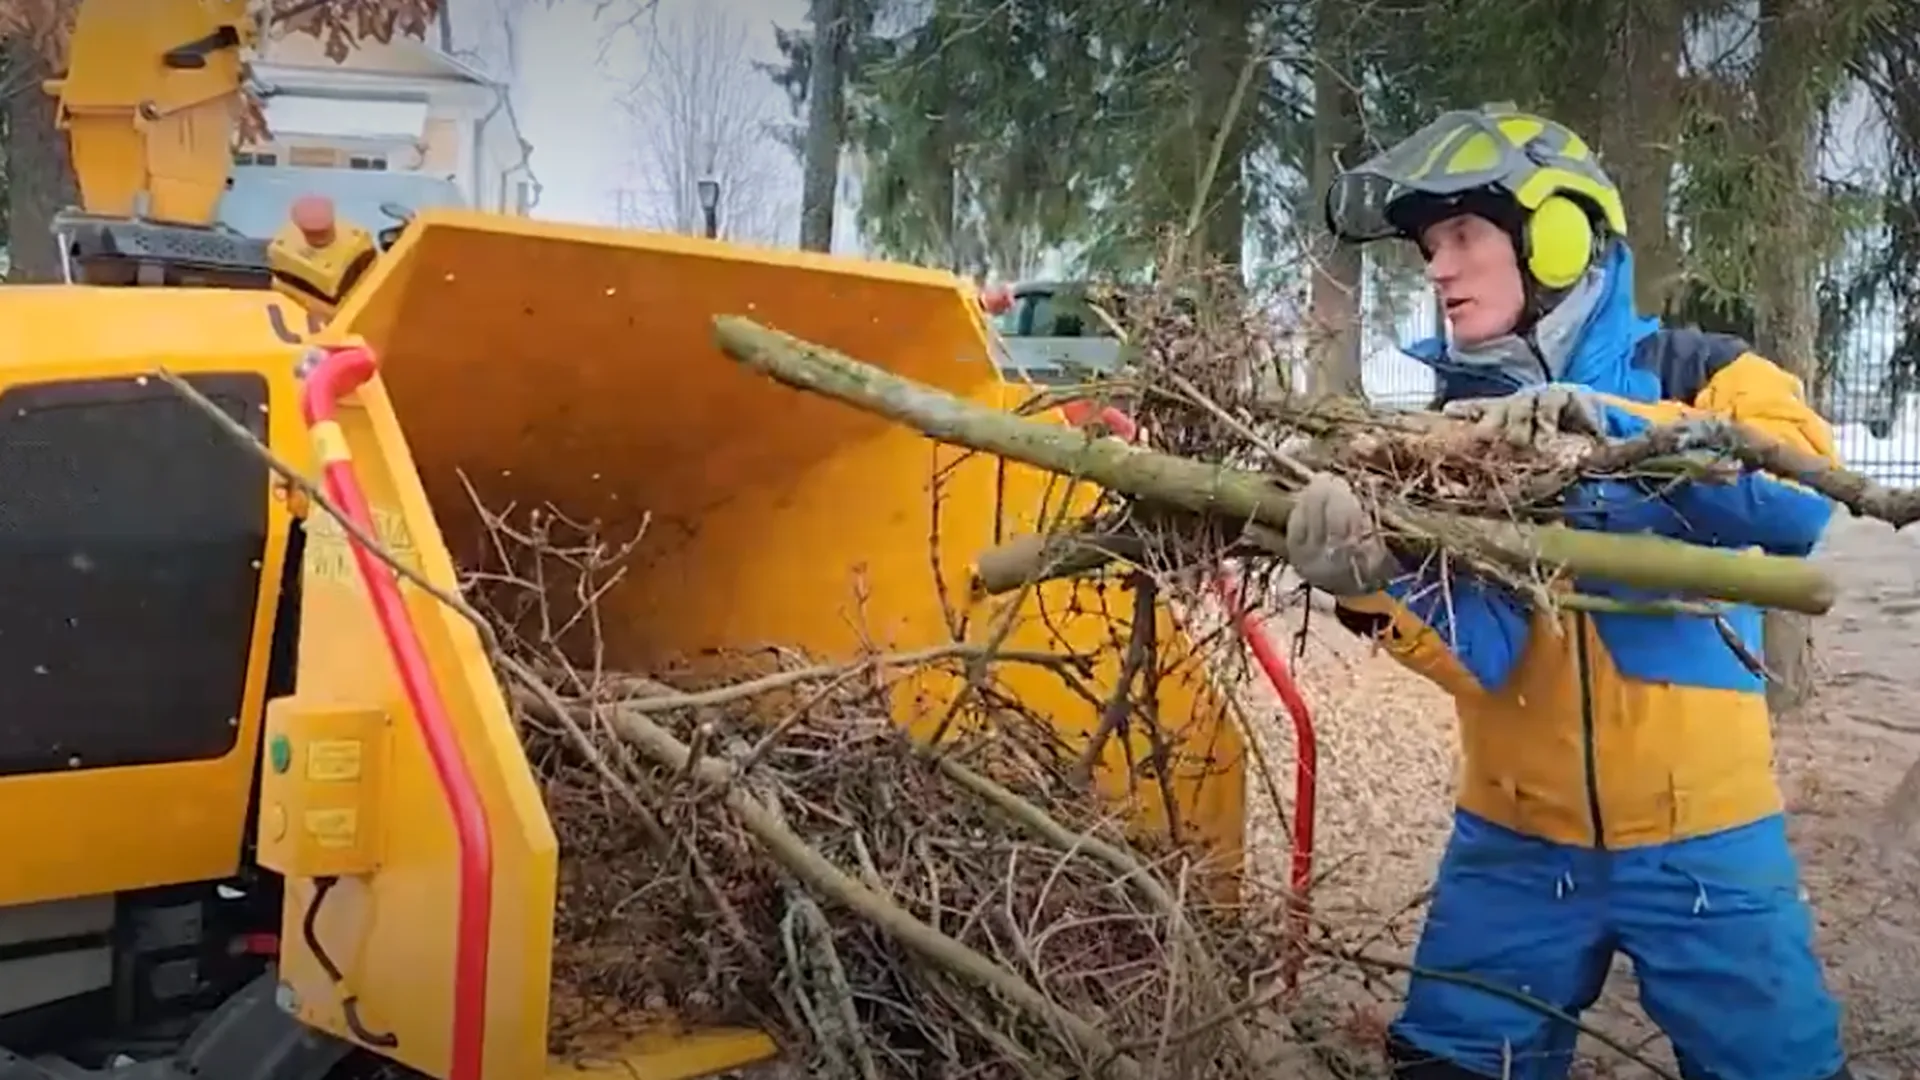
710, 204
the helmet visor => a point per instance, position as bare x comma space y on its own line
1457, 152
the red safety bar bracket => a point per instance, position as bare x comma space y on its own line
328, 376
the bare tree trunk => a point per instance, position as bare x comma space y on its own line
942, 169
1218, 51
1786, 315
1638, 130
1334, 311
40, 179
826, 123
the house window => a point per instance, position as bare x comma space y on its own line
321, 157
327, 157
256, 157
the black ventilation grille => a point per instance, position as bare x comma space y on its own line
131, 533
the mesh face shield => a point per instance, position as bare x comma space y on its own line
1458, 153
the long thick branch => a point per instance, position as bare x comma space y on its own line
1646, 562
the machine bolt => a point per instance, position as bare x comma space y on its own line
309, 359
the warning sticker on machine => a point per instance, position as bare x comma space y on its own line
336, 827
330, 553
334, 760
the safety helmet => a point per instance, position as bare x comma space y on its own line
1526, 173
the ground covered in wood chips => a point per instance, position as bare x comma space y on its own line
1386, 766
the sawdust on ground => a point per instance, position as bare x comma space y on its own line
1386, 768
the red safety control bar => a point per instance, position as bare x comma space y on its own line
1266, 653
334, 374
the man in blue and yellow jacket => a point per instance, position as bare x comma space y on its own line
1617, 791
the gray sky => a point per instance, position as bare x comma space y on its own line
572, 72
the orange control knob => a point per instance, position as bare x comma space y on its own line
313, 216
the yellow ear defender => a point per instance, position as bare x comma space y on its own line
1559, 242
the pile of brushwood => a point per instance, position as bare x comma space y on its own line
750, 838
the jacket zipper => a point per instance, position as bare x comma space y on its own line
1586, 728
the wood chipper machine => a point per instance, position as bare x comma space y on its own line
268, 814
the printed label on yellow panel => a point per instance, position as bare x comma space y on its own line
334, 760
334, 828
330, 551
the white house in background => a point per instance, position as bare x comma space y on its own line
400, 106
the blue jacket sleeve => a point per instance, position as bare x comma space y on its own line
1754, 510
1482, 625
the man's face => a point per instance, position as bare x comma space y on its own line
1473, 265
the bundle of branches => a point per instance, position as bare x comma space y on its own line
1225, 451
1190, 383
750, 838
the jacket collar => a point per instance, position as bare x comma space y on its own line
1596, 353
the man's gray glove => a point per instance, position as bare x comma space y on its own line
1333, 543
1532, 417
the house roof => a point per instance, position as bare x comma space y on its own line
402, 57
453, 65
